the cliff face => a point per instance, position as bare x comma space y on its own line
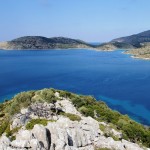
38, 42
56, 120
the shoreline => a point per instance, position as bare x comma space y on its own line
86, 48
135, 57
95, 49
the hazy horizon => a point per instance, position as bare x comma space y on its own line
98, 21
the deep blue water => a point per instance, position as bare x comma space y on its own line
119, 80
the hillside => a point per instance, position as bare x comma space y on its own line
135, 39
114, 46
38, 42
137, 45
51, 119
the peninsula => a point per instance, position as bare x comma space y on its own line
50, 119
137, 45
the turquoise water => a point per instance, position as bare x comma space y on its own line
121, 81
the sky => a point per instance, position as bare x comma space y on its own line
88, 20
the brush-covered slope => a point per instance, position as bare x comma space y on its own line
129, 42
114, 46
51, 119
135, 39
38, 42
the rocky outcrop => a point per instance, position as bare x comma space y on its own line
61, 133
65, 135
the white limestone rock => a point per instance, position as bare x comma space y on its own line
67, 107
42, 134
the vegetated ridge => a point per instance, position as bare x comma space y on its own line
51, 119
39, 42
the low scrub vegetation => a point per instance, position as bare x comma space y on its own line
9, 133
3, 127
33, 122
72, 117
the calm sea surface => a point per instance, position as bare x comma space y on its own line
119, 80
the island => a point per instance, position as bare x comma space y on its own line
39, 42
138, 45
51, 119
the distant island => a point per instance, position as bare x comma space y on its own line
138, 44
39, 42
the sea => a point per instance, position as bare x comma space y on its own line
113, 77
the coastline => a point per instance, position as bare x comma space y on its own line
135, 57
95, 49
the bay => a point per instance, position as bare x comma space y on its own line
119, 80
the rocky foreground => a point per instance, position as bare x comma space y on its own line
49, 120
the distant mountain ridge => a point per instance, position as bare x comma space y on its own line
39, 42
138, 44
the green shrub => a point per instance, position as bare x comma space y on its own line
21, 100
13, 138
11, 132
1, 106
65, 94
102, 127
33, 122
3, 127
72, 117
48, 95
